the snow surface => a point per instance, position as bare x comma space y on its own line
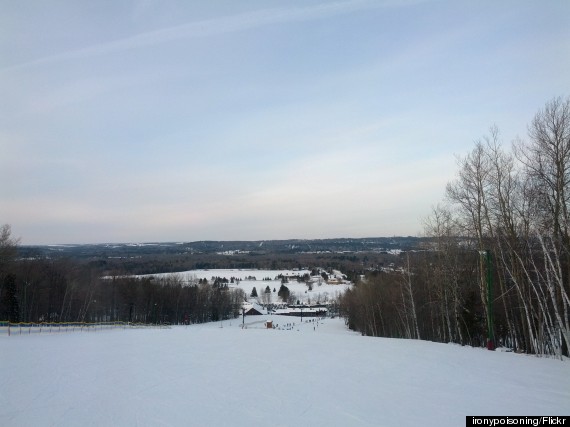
321, 292
310, 374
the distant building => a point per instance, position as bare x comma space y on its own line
318, 310
251, 309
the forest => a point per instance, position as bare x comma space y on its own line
497, 269
64, 290
97, 284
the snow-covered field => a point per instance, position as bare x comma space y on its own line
312, 374
321, 291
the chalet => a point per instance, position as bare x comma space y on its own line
252, 309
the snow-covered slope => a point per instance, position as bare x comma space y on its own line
315, 374
321, 291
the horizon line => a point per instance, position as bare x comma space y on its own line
180, 242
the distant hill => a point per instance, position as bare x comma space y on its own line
261, 247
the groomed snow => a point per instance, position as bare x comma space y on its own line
221, 375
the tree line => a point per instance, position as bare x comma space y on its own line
497, 270
62, 290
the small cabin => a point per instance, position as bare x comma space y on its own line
252, 311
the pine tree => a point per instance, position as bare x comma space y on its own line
284, 293
10, 304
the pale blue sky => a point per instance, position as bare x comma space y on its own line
152, 120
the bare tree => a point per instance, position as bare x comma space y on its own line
546, 157
408, 300
9, 302
8, 247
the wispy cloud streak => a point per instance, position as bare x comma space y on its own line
216, 26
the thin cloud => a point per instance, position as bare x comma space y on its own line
216, 26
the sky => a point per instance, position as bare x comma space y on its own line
149, 121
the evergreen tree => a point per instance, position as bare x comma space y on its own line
284, 293
10, 306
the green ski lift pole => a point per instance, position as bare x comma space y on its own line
490, 325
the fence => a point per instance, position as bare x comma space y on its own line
22, 328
